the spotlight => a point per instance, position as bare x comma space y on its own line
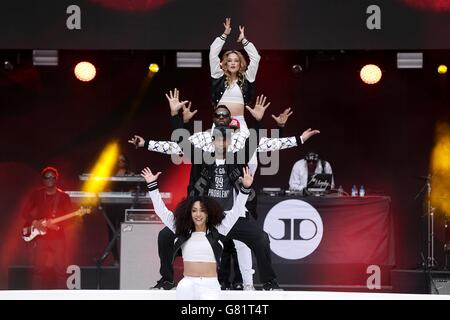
153, 67
409, 60
189, 59
85, 71
442, 69
45, 57
296, 68
370, 74
7, 65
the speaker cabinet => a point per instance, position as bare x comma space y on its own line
139, 260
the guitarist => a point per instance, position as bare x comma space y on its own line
42, 205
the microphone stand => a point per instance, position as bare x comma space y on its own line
431, 262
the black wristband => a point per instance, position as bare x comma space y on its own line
146, 144
245, 190
152, 185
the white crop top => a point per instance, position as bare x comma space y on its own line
198, 249
232, 94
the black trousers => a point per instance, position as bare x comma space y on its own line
245, 230
49, 263
229, 256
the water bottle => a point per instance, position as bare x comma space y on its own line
362, 191
354, 191
341, 191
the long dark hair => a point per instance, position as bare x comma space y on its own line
183, 216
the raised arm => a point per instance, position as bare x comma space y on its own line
166, 147
238, 209
253, 54
161, 210
215, 48
273, 144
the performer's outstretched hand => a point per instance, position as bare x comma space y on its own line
283, 117
247, 178
241, 34
227, 26
149, 176
187, 113
309, 133
174, 101
260, 107
138, 141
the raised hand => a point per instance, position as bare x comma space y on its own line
227, 26
187, 113
148, 175
247, 178
308, 133
138, 141
260, 107
241, 34
174, 101
283, 117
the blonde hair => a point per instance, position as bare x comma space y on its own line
242, 68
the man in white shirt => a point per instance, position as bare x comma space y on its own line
303, 170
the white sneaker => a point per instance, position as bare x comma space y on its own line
249, 287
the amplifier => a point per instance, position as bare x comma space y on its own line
141, 216
440, 285
139, 260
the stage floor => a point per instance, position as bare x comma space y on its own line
225, 295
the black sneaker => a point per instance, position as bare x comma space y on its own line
163, 284
272, 285
225, 286
237, 286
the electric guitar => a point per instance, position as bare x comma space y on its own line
31, 232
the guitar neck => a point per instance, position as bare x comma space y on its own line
65, 217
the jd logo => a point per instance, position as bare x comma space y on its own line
288, 235
295, 229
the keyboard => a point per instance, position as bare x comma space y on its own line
116, 197
86, 177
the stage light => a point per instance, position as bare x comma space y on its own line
85, 71
409, 60
45, 57
370, 74
103, 167
7, 65
442, 69
189, 59
296, 68
153, 67
440, 169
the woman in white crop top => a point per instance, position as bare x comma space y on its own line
234, 92
197, 223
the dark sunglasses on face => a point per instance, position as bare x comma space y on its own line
221, 114
49, 178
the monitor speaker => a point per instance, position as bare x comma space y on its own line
139, 260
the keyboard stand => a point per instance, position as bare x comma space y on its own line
107, 251
116, 236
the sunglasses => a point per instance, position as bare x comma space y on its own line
221, 114
49, 178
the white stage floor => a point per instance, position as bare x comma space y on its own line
225, 295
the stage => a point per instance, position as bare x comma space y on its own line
225, 295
